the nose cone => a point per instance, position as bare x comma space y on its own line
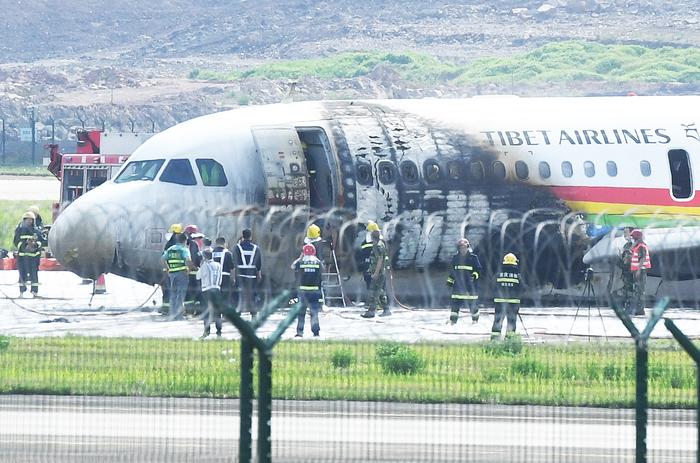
82, 240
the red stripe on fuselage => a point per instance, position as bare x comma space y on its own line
624, 195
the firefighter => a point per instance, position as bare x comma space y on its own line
378, 263
462, 279
625, 262
365, 252
640, 262
38, 221
179, 262
210, 276
247, 258
193, 243
310, 270
507, 299
313, 237
174, 230
27, 241
222, 255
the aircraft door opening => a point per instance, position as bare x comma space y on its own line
317, 153
681, 175
284, 166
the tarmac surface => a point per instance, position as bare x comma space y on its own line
18, 187
137, 429
130, 309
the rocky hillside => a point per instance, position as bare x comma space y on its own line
126, 63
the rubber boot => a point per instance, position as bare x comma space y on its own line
368, 314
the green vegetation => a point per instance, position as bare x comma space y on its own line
11, 215
33, 171
586, 374
398, 359
555, 62
342, 358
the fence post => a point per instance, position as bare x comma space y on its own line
250, 341
641, 346
694, 353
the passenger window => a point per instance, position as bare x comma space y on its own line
499, 170
364, 173
567, 169
409, 172
386, 173
612, 168
212, 172
140, 170
477, 171
645, 168
455, 170
178, 171
545, 171
431, 170
521, 170
681, 177
589, 168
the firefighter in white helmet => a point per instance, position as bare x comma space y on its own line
464, 274
507, 298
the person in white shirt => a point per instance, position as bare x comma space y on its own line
209, 274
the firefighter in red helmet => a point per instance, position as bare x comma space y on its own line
640, 262
310, 271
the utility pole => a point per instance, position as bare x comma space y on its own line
3, 141
32, 126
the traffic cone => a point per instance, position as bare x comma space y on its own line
100, 286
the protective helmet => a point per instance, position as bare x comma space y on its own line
175, 228
510, 259
636, 234
372, 226
462, 242
34, 209
309, 250
313, 232
28, 215
191, 229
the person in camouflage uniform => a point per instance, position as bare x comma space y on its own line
626, 274
378, 263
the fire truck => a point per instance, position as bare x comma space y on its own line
98, 157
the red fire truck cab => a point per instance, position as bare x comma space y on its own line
98, 157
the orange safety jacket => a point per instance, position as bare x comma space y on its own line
635, 264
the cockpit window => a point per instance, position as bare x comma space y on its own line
212, 172
140, 170
178, 171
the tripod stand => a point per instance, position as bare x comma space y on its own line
588, 294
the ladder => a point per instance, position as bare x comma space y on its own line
332, 284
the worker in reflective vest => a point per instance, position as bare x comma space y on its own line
310, 270
247, 258
640, 262
179, 263
507, 300
27, 240
463, 276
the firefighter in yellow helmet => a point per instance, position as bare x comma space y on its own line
313, 237
464, 274
378, 264
364, 253
507, 298
27, 241
174, 230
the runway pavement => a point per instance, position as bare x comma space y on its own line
92, 429
17, 187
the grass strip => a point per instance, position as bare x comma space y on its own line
11, 215
564, 61
26, 170
585, 374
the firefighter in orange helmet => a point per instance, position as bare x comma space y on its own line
640, 262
